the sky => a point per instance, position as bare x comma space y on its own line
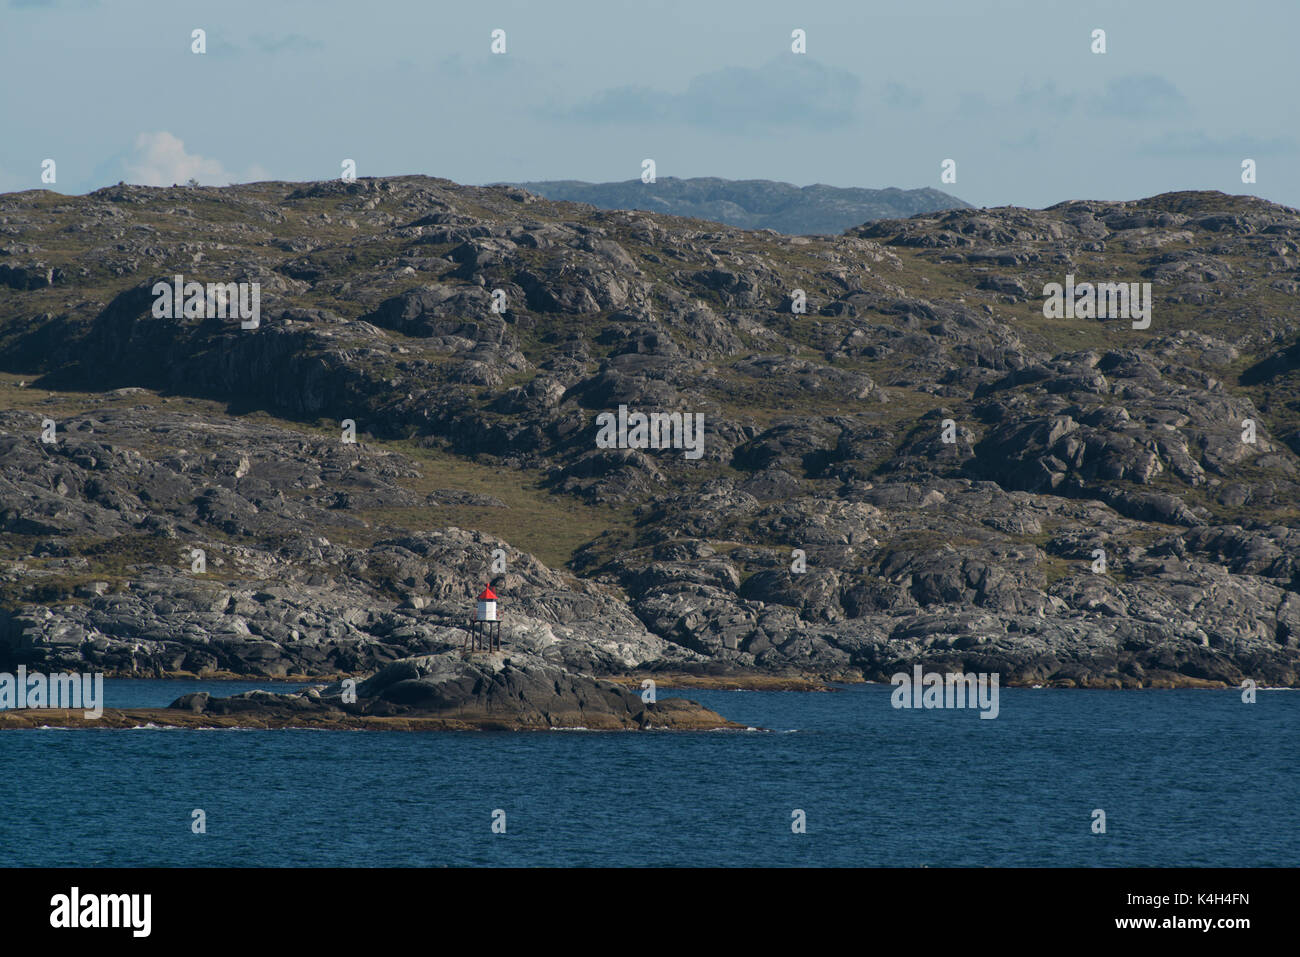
1010, 90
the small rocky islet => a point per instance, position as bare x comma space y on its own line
827, 532
447, 692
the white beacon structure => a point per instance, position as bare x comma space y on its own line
487, 605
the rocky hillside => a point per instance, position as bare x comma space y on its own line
753, 203
919, 467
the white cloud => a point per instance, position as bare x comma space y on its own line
160, 160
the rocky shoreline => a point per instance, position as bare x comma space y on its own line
487, 691
469, 692
673, 717
401, 699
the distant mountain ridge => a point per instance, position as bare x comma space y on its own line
753, 203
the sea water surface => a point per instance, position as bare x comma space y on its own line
1184, 777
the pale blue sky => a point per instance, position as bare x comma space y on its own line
887, 91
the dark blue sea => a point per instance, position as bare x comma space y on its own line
1184, 778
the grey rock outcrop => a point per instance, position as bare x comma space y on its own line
920, 466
